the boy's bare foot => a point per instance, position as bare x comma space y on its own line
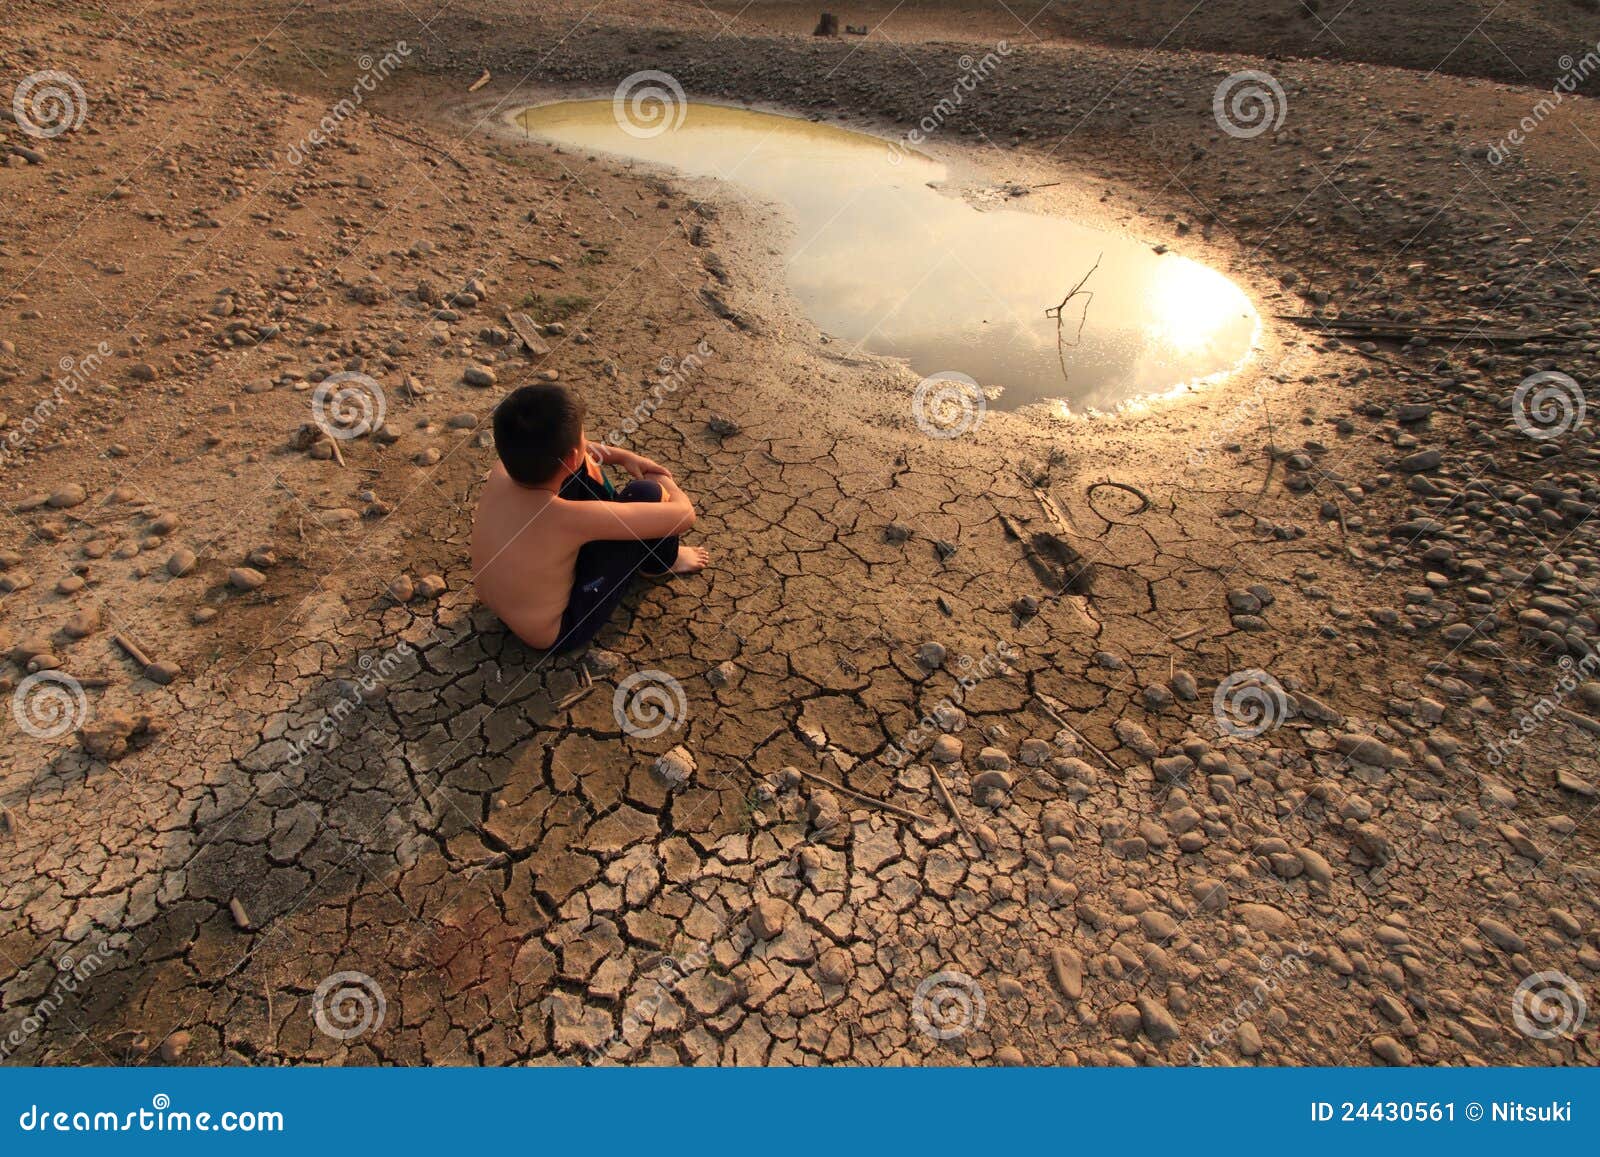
690, 559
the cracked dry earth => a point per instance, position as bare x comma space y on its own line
1245, 792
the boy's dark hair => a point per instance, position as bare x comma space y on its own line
535, 427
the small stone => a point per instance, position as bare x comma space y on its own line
769, 918
1067, 966
946, 749
1390, 1050
480, 376
174, 1047
1157, 1020
181, 562
401, 588
931, 655
431, 586
1266, 918
162, 672
68, 497
836, 966
1501, 935
245, 578
82, 624
1010, 1056
676, 767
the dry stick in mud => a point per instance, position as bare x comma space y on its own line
865, 798
1057, 311
1126, 487
1050, 706
950, 805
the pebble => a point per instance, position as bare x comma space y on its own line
181, 562
676, 767
480, 376
245, 578
769, 918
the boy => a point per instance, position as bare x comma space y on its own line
553, 547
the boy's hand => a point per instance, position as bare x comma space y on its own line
641, 467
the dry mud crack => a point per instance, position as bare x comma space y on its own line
1298, 778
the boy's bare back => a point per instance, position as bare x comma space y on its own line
528, 540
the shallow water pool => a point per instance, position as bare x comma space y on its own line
884, 263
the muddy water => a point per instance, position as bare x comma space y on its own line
883, 261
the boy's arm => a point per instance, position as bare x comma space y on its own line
637, 465
611, 521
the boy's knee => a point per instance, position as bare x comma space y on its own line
640, 490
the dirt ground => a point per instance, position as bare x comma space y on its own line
1299, 769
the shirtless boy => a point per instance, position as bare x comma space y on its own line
553, 547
